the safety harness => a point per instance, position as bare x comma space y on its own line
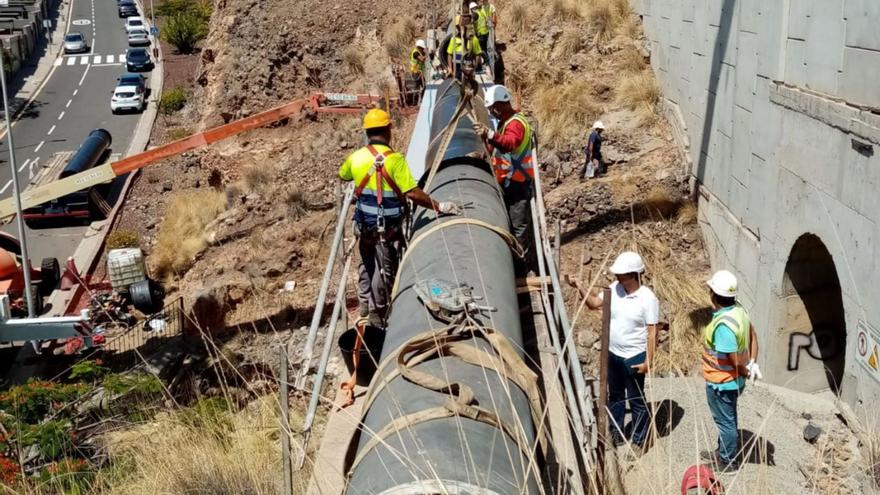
382, 176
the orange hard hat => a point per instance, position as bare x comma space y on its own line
8, 265
376, 118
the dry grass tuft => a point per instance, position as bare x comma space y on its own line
201, 453
565, 111
182, 235
687, 214
354, 61
297, 206
519, 15
607, 17
660, 202
259, 177
571, 42
400, 37
566, 10
630, 61
639, 92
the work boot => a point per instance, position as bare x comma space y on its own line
375, 320
364, 310
718, 464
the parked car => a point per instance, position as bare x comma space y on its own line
127, 98
138, 60
127, 8
135, 22
138, 37
75, 42
136, 80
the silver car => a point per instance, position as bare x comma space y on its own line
138, 37
75, 42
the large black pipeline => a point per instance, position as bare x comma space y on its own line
456, 454
89, 153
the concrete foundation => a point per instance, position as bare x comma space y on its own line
776, 104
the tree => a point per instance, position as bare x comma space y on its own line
184, 30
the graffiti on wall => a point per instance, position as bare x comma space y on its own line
820, 344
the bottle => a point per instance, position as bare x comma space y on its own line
591, 172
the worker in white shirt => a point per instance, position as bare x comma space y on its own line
635, 312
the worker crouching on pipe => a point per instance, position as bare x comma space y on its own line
511, 147
383, 184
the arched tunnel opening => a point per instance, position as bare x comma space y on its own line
813, 321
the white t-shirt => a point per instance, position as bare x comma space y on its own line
630, 316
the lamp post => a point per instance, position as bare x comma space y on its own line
22, 234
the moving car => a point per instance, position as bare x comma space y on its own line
138, 37
127, 98
135, 22
132, 80
138, 60
75, 42
127, 8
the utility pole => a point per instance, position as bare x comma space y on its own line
16, 193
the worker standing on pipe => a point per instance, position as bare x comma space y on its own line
632, 340
484, 16
383, 184
730, 346
463, 48
511, 146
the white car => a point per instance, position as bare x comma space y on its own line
132, 23
75, 42
127, 98
138, 37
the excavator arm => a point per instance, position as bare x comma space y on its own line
319, 102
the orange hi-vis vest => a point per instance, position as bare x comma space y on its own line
717, 366
515, 166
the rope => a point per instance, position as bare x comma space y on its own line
504, 234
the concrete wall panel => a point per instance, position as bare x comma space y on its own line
860, 79
861, 20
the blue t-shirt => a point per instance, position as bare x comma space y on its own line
596, 141
724, 340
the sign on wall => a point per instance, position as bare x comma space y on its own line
868, 349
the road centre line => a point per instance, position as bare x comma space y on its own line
8, 183
68, 103
51, 131
84, 75
37, 149
61, 116
75, 91
23, 165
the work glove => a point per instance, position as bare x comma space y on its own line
754, 371
483, 131
449, 208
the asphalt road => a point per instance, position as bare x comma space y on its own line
74, 100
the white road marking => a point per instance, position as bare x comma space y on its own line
61, 116
71, 60
8, 183
37, 149
105, 65
31, 168
97, 59
122, 57
51, 131
75, 91
83, 60
110, 59
59, 61
68, 103
23, 165
83, 78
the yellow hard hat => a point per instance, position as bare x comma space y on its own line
376, 118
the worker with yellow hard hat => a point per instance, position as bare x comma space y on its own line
383, 184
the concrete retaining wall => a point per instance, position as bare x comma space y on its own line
21, 39
774, 100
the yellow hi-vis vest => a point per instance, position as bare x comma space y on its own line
481, 24
718, 367
416, 66
510, 167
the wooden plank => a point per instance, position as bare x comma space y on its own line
50, 170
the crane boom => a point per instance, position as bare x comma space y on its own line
319, 102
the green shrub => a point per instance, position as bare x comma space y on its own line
87, 370
171, 8
31, 402
176, 133
120, 239
184, 30
139, 384
172, 100
52, 437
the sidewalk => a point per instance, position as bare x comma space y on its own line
25, 85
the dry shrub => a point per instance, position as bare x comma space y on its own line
353, 61
687, 214
258, 177
565, 111
201, 453
565, 9
571, 42
400, 37
297, 206
660, 202
630, 61
607, 17
182, 234
639, 92
519, 16
120, 239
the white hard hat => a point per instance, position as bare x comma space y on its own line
421, 44
627, 262
723, 283
473, 5
495, 94
598, 125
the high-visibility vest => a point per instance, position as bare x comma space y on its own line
416, 66
718, 367
515, 166
459, 50
379, 205
481, 24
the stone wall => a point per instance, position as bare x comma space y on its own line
776, 103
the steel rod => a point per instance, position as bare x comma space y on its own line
322, 293
602, 422
285, 424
